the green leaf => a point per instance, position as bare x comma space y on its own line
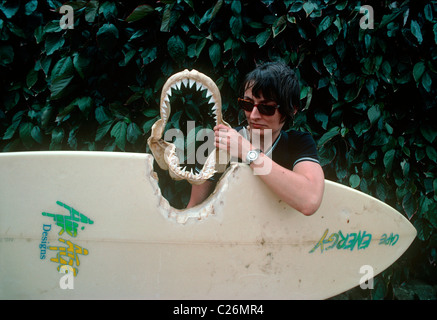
426, 82
149, 123
435, 32
424, 229
428, 12
386, 19
420, 154
133, 132
380, 139
46, 114
380, 289
166, 18
25, 134
9, 8
350, 78
215, 53
30, 7
81, 63
151, 112
36, 134
109, 9
45, 63
211, 13
200, 44
57, 138
354, 180
236, 7
333, 91
409, 204
63, 67
91, 11
31, 78
374, 114
100, 115
52, 26
329, 135
177, 49
107, 36
149, 55
6, 55
418, 70
279, 25
72, 139
361, 127
59, 85
415, 30
309, 7
322, 118
325, 24
61, 76
431, 153
16, 120
119, 132
215, 9
330, 63
296, 6
53, 43
85, 105
261, 38
434, 184
236, 25
428, 132
140, 12
388, 159
103, 129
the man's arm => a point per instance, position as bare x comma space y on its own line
301, 188
199, 193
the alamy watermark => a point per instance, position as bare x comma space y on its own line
367, 21
366, 281
67, 20
200, 155
67, 280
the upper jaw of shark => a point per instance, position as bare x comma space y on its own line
165, 152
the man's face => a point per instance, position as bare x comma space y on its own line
260, 122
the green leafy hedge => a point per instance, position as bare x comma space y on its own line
368, 95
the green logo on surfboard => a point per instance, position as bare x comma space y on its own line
67, 252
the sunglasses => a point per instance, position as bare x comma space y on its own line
264, 109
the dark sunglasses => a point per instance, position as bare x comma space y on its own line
264, 109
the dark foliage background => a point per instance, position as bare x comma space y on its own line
368, 95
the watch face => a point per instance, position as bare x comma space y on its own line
252, 155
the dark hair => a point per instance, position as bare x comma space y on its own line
277, 82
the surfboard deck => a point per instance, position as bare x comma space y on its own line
101, 216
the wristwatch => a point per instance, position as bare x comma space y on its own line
252, 155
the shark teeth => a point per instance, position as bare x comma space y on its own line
189, 83
172, 163
207, 171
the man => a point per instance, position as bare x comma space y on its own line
286, 162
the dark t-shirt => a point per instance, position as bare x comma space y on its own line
294, 147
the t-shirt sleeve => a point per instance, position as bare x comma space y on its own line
307, 149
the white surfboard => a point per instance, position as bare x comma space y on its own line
101, 216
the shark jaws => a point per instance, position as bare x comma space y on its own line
164, 151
